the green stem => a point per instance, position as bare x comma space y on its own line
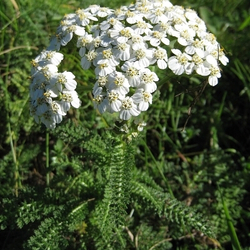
8, 115
47, 158
13, 151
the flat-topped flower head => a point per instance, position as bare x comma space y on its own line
123, 48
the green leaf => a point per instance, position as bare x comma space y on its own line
245, 23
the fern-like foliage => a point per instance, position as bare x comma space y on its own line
111, 211
97, 199
154, 198
49, 219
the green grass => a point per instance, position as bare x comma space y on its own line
49, 176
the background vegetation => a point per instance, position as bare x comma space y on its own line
206, 166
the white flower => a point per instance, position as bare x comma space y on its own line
210, 42
157, 15
119, 82
36, 90
55, 43
201, 67
186, 35
82, 42
143, 99
160, 56
121, 46
166, 27
141, 27
94, 8
132, 17
137, 42
103, 68
122, 35
65, 80
84, 17
222, 58
47, 119
115, 98
142, 57
106, 40
100, 84
195, 22
179, 63
120, 13
69, 97
197, 46
49, 114
96, 42
100, 103
211, 60
128, 109
88, 58
55, 112
111, 23
106, 54
218, 54
147, 80
41, 105
214, 75
122, 51
49, 57
51, 92
103, 12
44, 74
68, 33
132, 73
140, 124
155, 38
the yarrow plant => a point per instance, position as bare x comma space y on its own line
121, 47
125, 49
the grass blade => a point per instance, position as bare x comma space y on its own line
231, 229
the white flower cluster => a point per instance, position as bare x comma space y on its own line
121, 46
52, 93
